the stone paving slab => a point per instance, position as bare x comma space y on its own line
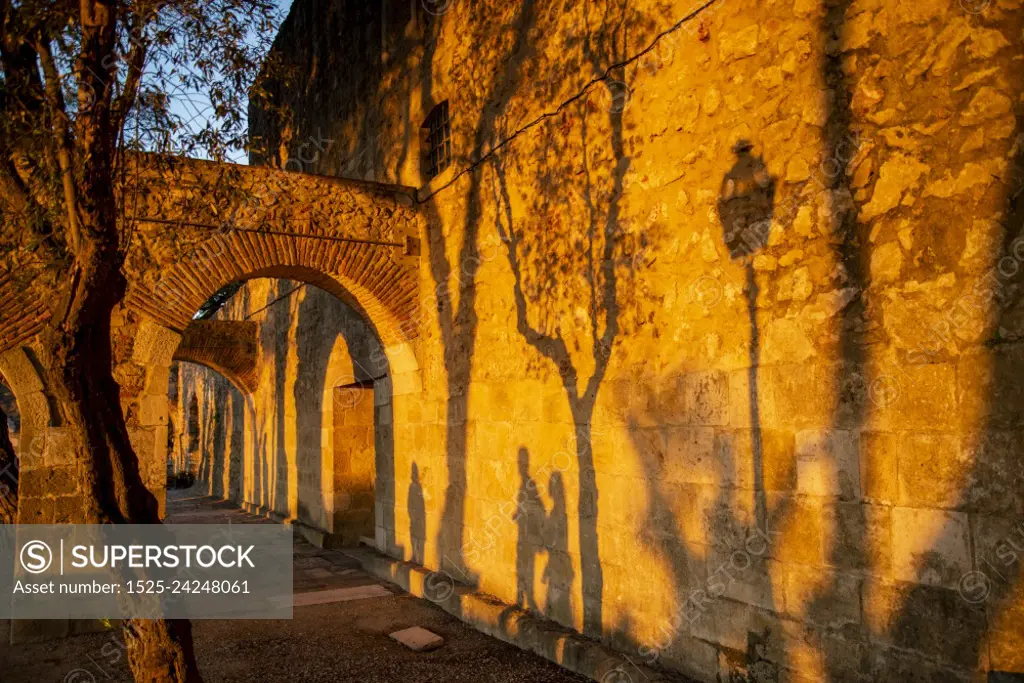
340, 595
418, 639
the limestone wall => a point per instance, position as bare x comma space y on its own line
748, 411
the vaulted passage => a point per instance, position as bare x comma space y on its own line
308, 438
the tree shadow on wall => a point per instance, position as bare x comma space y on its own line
977, 624
705, 514
598, 261
573, 250
458, 321
955, 622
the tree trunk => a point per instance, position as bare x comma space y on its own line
78, 356
8, 475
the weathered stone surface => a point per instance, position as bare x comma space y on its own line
418, 639
987, 104
896, 176
930, 546
828, 464
738, 44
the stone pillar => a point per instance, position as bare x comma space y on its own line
147, 412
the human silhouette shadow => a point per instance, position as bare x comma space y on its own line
529, 518
558, 574
417, 515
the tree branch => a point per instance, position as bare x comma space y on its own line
136, 62
60, 129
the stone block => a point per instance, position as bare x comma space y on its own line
922, 398
733, 45
691, 657
35, 510
734, 451
20, 373
614, 403
787, 340
798, 535
154, 344
48, 481
744, 575
879, 452
732, 625
729, 522
153, 410
989, 396
884, 664
778, 454
828, 463
705, 398
35, 410
157, 379
859, 538
690, 456
739, 399
824, 597
933, 621
932, 470
810, 395
406, 384
992, 473
930, 546
659, 401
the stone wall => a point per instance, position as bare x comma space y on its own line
721, 351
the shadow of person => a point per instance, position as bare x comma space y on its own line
558, 575
417, 515
529, 518
746, 204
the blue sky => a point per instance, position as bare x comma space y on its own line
195, 108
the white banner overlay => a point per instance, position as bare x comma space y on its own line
146, 571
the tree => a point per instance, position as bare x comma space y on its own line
8, 474
84, 86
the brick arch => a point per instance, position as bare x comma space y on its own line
227, 347
367, 277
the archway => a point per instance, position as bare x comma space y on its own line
209, 415
321, 373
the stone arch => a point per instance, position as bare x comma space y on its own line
224, 346
386, 301
365, 276
38, 417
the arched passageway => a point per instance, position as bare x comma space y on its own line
309, 438
195, 227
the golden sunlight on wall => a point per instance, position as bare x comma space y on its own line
720, 358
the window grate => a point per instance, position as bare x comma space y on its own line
439, 140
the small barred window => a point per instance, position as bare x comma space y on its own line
438, 144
